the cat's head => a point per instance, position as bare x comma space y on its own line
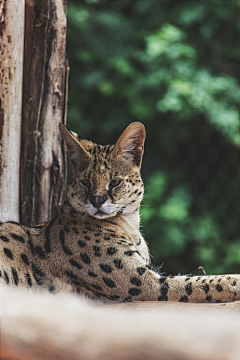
105, 180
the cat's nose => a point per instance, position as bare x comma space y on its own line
97, 201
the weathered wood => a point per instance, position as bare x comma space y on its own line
43, 163
11, 65
42, 326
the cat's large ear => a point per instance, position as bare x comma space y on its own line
75, 150
130, 144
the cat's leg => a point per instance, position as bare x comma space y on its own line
132, 279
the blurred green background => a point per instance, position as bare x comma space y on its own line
175, 66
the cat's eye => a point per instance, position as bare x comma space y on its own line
115, 183
86, 183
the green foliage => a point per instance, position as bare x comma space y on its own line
174, 65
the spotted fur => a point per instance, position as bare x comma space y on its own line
94, 246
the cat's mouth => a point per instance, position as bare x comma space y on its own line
100, 214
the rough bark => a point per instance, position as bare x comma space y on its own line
11, 64
43, 163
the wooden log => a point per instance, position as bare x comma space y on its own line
64, 326
11, 65
43, 161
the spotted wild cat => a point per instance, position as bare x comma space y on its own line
94, 245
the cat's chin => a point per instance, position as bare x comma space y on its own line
101, 215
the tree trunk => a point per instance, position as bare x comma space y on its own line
43, 162
35, 105
11, 65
